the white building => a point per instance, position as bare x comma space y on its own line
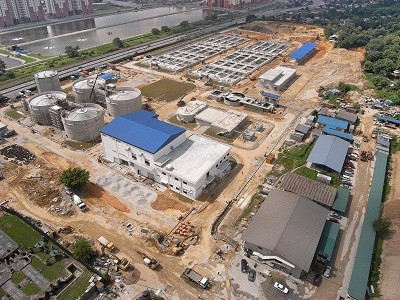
278, 78
162, 152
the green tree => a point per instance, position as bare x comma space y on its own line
165, 29
184, 24
118, 43
155, 31
74, 178
2, 67
382, 226
72, 51
251, 18
81, 250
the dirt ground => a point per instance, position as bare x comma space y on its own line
100, 194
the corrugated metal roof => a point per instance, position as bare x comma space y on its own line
342, 199
334, 123
329, 151
303, 50
142, 130
290, 225
388, 119
314, 190
362, 264
303, 128
344, 135
270, 95
106, 76
347, 116
328, 238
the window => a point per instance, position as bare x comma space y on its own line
171, 185
184, 182
134, 156
177, 188
184, 191
146, 161
216, 166
164, 173
176, 179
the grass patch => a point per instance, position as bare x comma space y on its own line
255, 202
2, 293
334, 101
79, 145
18, 231
294, 157
27, 59
15, 114
30, 289
17, 277
167, 90
306, 172
375, 271
77, 288
51, 272
394, 144
225, 139
174, 120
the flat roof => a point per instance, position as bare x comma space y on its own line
332, 122
278, 75
194, 157
303, 51
338, 133
362, 264
227, 120
288, 224
303, 128
142, 130
341, 200
314, 190
328, 238
329, 151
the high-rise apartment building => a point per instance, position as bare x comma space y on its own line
63, 8
232, 3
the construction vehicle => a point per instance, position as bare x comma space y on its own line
109, 246
151, 263
192, 276
78, 201
123, 262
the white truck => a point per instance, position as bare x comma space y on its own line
195, 277
82, 206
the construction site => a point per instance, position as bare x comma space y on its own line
157, 232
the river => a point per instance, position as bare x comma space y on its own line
52, 40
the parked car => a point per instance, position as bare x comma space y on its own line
327, 272
244, 266
346, 186
252, 275
335, 215
281, 287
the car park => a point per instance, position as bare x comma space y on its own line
281, 287
244, 266
252, 275
327, 272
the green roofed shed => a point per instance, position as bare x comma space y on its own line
341, 200
328, 238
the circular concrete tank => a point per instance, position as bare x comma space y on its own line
83, 88
124, 101
83, 124
233, 99
39, 106
47, 81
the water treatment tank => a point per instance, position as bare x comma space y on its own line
39, 106
47, 81
83, 124
187, 113
83, 88
124, 101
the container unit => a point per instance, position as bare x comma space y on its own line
39, 106
55, 116
89, 90
124, 101
47, 81
83, 124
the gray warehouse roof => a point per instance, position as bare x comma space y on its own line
329, 151
303, 128
290, 225
347, 116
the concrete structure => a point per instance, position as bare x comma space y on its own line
278, 78
47, 81
329, 152
65, 8
83, 124
3, 129
222, 122
187, 113
236, 99
303, 53
235, 67
40, 104
192, 54
55, 116
123, 101
303, 128
162, 152
285, 231
88, 90
14, 12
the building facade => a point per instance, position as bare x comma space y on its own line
64, 8
232, 3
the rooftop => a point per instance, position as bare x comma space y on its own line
194, 157
329, 151
347, 116
328, 238
303, 128
303, 51
314, 190
278, 75
141, 129
342, 199
333, 123
388, 119
344, 135
290, 225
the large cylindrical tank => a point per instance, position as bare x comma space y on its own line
39, 106
83, 88
47, 81
83, 124
124, 101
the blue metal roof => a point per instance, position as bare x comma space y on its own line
332, 122
106, 76
332, 131
388, 119
303, 51
141, 129
269, 95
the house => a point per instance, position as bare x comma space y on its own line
303, 53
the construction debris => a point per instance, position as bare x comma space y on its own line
18, 154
